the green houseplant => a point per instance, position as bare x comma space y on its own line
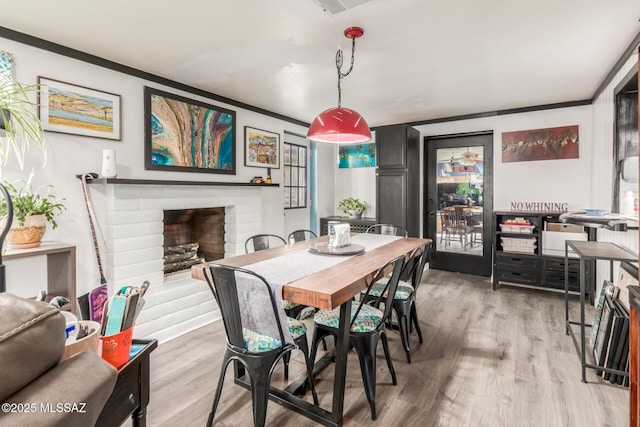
352, 207
32, 209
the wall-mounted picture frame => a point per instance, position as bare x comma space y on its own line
541, 144
185, 135
261, 148
357, 156
79, 110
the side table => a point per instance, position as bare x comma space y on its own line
130, 395
589, 251
61, 267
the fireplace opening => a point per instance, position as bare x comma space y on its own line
192, 236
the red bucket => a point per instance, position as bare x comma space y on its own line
117, 347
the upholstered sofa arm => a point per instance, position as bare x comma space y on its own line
71, 394
37, 390
31, 341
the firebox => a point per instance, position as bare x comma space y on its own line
192, 236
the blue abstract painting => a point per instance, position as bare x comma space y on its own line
187, 135
357, 156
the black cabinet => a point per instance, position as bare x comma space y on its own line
398, 177
521, 255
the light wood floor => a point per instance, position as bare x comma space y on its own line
488, 359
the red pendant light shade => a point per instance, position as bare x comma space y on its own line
339, 125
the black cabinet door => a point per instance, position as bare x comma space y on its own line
391, 200
391, 146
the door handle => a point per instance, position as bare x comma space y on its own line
431, 213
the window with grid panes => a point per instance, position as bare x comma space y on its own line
295, 176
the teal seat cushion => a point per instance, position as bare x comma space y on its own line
255, 342
368, 319
403, 292
288, 305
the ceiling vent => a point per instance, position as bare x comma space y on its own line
333, 7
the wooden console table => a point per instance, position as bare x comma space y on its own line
61, 267
130, 395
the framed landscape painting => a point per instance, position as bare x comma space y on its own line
79, 110
261, 148
186, 135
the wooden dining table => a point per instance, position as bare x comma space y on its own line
325, 289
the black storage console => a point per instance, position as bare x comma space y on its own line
521, 255
358, 225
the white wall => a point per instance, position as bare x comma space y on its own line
326, 181
565, 181
70, 155
538, 181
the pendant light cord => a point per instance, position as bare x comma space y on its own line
341, 75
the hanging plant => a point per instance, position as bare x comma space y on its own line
20, 126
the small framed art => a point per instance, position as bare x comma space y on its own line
261, 148
78, 110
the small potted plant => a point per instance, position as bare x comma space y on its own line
352, 207
31, 212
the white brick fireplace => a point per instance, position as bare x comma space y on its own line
130, 213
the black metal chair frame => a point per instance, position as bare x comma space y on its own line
405, 309
261, 241
300, 235
377, 229
260, 366
366, 343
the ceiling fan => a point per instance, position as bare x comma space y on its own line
468, 158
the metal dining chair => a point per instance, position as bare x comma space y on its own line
257, 350
387, 230
259, 242
367, 327
404, 301
300, 235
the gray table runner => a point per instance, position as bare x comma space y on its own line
255, 306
